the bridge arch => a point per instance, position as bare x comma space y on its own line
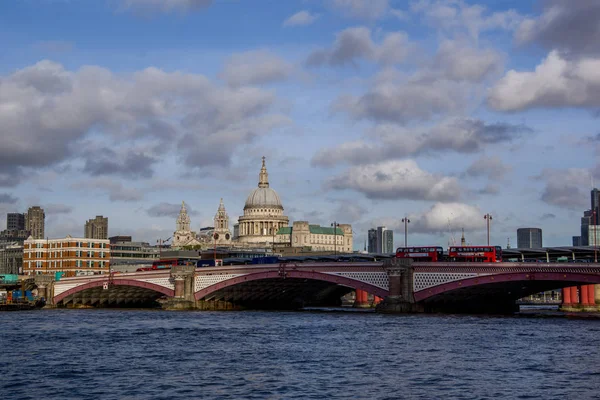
562, 279
293, 274
117, 282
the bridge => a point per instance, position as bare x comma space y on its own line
404, 286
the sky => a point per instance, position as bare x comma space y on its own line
367, 112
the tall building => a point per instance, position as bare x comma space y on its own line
97, 228
73, 256
34, 222
15, 221
387, 245
529, 238
594, 235
372, 241
586, 221
576, 240
595, 195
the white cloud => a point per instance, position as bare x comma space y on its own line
361, 9
301, 18
354, 44
396, 180
567, 188
255, 67
388, 141
556, 82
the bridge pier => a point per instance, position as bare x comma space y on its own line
362, 299
581, 298
45, 286
401, 297
184, 282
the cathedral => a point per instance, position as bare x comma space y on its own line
263, 217
262, 225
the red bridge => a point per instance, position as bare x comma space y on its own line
406, 287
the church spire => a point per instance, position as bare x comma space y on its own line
183, 221
263, 177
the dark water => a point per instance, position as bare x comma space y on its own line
134, 354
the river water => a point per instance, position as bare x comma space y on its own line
141, 354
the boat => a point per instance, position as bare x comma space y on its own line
23, 305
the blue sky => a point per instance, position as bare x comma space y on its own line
367, 111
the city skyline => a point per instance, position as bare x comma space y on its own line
365, 114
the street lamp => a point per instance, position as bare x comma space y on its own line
488, 219
406, 221
335, 225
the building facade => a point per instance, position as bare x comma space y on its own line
73, 256
595, 197
372, 241
15, 222
263, 214
132, 252
529, 238
594, 235
11, 258
96, 228
387, 245
35, 222
315, 237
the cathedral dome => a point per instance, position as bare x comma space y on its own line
263, 196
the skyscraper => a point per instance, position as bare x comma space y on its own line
372, 241
595, 195
35, 222
529, 238
387, 245
15, 221
96, 228
586, 221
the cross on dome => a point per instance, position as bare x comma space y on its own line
263, 177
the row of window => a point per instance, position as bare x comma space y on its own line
78, 253
61, 245
59, 264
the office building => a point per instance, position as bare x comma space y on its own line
372, 241
576, 240
387, 245
529, 238
119, 239
595, 195
96, 228
15, 222
11, 258
315, 237
586, 221
594, 235
34, 222
73, 256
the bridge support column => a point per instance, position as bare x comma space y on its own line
184, 280
45, 286
583, 295
591, 295
566, 297
361, 299
401, 297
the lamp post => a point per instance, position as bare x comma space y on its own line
488, 219
406, 221
335, 225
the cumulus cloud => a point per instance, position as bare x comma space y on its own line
301, 18
570, 27
567, 188
491, 167
396, 180
461, 62
368, 10
348, 211
458, 16
170, 210
255, 67
388, 141
556, 82
353, 44
166, 6
46, 111
438, 219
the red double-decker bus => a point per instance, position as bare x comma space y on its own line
475, 253
433, 254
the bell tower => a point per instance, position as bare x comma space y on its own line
221, 221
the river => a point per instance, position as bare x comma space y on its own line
147, 354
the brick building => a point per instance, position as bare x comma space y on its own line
73, 256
